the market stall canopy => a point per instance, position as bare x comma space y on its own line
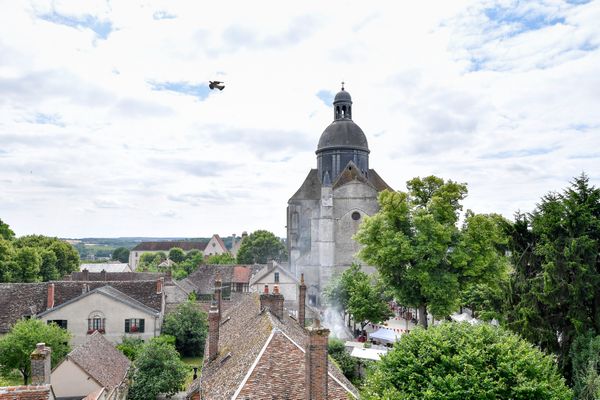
368, 354
384, 335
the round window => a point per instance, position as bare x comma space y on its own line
356, 215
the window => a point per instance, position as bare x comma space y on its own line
134, 325
356, 215
96, 324
276, 277
60, 322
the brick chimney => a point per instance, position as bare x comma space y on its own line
302, 302
218, 293
213, 331
273, 301
316, 362
86, 275
103, 275
40, 365
159, 285
168, 275
50, 296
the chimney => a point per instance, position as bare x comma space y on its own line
273, 301
316, 362
302, 302
213, 331
159, 285
168, 275
86, 275
50, 295
103, 275
40, 365
218, 293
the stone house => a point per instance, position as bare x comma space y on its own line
274, 274
257, 351
94, 368
133, 308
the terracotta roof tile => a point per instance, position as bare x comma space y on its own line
30, 392
101, 360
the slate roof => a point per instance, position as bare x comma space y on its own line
260, 357
310, 188
116, 276
268, 269
343, 134
26, 299
100, 360
185, 245
108, 267
29, 392
203, 278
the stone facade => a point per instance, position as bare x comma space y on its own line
326, 211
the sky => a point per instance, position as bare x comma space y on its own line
108, 128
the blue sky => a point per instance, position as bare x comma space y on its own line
108, 128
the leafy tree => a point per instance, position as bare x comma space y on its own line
260, 247
421, 253
6, 263
555, 287
158, 369
176, 255
224, 258
5, 232
189, 326
585, 355
48, 268
121, 254
28, 264
346, 363
463, 361
17, 345
193, 254
130, 346
366, 303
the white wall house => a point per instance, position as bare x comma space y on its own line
215, 246
108, 311
274, 274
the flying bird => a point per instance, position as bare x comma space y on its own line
216, 84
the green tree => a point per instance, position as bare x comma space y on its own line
66, 255
367, 304
555, 286
121, 254
421, 253
260, 247
463, 361
224, 258
130, 346
189, 326
158, 369
585, 355
193, 254
176, 255
48, 268
346, 363
5, 232
17, 345
27, 264
6, 261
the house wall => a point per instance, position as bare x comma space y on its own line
115, 312
69, 380
214, 247
287, 286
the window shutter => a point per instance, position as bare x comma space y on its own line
141, 325
127, 326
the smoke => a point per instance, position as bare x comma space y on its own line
332, 319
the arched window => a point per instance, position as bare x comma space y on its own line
96, 322
344, 111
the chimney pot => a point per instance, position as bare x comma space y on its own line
213, 331
276, 289
86, 274
266, 289
159, 285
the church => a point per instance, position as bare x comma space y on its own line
325, 212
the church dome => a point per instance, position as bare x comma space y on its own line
342, 96
343, 134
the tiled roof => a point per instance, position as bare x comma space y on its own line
25, 299
185, 245
203, 278
241, 274
260, 357
377, 181
101, 360
268, 269
116, 276
310, 189
30, 392
108, 267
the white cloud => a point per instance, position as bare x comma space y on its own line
105, 131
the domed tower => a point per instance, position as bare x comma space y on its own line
341, 142
326, 211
